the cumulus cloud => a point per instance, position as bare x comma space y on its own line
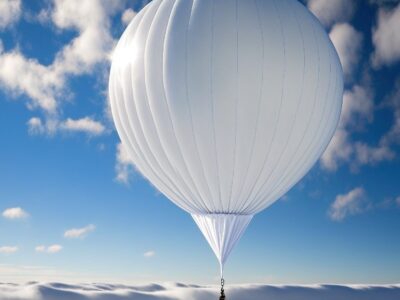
124, 166
94, 42
357, 110
128, 15
358, 106
15, 213
51, 126
332, 11
386, 37
86, 125
46, 85
54, 248
352, 203
10, 12
49, 249
371, 155
339, 150
8, 249
149, 254
21, 75
176, 291
393, 135
348, 44
79, 233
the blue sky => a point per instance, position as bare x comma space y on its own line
74, 209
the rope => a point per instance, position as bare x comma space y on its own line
222, 297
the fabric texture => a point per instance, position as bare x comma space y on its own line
222, 232
224, 105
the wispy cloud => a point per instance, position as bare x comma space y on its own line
124, 166
149, 254
8, 249
128, 15
15, 213
10, 12
86, 125
352, 203
49, 249
386, 37
398, 201
79, 233
332, 11
348, 44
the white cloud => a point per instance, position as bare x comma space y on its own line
85, 124
128, 15
80, 233
94, 42
49, 249
35, 126
339, 150
15, 213
10, 12
46, 85
8, 249
357, 110
348, 44
40, 248
124, 166
21, 75
397, 200
352, 203
54, 249
393, 135
37, 290
370, 155
332, 11
149, 254
386, 37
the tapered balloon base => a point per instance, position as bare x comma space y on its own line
222, 232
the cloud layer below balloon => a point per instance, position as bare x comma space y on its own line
169, 291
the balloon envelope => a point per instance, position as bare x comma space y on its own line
224, 105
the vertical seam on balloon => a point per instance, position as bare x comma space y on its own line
302, 157
212, 101
236, 105
187, 189
131, 147
326, 102
332, 102
175, 191
170, 165
320, 132
285, 178
165, 176
247, 206
123, 129
194, 199
191, 115
261, 190
199, 209
258, 105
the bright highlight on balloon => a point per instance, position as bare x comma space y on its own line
224, 105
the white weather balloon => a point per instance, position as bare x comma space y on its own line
224, 105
